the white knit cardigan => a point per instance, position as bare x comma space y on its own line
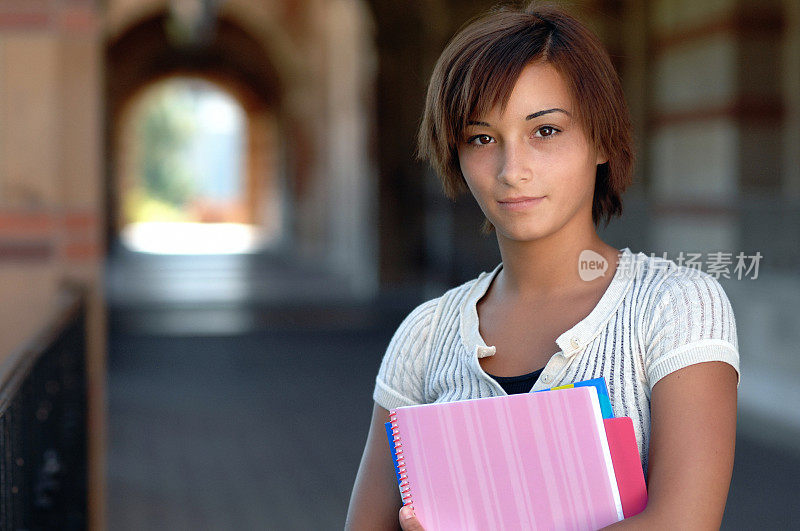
654, 318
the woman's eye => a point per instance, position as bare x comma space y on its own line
547, 131
480, 140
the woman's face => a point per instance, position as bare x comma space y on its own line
532, 167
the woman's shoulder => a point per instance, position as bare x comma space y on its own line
687, 317
653, 274
691, 299
663, 275
447, 305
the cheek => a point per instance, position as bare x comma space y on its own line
478, 190
471, 163
578, 174
476, 171
466, 170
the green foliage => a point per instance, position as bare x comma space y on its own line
165, 127
140, 206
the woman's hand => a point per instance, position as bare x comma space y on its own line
409, 522
375, 498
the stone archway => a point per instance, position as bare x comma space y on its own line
305, 77
234, 62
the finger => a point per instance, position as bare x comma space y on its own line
409, 522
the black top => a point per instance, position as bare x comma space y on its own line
518, 384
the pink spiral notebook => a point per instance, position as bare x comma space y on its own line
524, 461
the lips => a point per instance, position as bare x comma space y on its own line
520, 203
519, 199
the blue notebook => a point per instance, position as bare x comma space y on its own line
602, 393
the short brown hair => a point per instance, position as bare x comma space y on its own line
479, 68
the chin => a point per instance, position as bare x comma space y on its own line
523, 234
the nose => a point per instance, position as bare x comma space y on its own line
516, 166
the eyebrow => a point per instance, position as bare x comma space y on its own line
529, 117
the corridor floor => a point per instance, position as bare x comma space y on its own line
259, 431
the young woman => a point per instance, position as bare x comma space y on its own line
525, 111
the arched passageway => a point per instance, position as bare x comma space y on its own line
145, 58
185, 179
302, 79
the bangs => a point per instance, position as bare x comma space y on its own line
495, 63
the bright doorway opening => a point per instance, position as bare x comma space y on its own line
183, 172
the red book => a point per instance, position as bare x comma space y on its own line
627, 466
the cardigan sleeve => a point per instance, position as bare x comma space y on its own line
691, 322
401, 377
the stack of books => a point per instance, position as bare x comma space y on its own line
546, 460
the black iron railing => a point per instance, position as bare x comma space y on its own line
43, 430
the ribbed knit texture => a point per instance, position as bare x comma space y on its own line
655, 317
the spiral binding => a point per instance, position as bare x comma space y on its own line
405, 488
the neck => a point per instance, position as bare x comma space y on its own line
548, 267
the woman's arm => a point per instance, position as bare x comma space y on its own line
692, 440
375, 499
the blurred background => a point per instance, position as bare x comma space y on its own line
211, 216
